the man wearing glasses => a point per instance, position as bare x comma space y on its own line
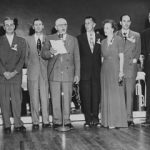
63, 70
12, 54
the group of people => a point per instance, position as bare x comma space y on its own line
104, 67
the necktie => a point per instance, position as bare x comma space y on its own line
125, 36
39, 46
91, 43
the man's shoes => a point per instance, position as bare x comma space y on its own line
96, 124
20, 129
55, 125
7, 130
87, 125
46, 125
130, 123
35, 126
69, 125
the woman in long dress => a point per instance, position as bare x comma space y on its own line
113, 100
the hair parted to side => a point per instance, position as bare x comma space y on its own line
90, 17
37, 19
8, 18
123, 16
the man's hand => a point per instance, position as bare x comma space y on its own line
76, 79
7, 75
12, 74
134, 60
52, 51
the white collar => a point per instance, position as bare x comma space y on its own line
125, 31
40, 36
91, 33
64, 36
9, 35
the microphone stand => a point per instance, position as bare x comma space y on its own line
62, 128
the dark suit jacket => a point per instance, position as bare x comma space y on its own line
68, 63
90, 62
145, 48
12, 58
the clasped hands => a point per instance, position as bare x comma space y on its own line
9, 75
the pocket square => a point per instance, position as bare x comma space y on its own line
98, 41
14, 47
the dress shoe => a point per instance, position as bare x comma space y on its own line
130, 123
111, 127
87, 125
7, 130
46, 125
20, 129
69, 125
147, 121
55, 125
96, 124
35, 126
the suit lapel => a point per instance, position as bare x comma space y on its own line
87, 42
97, 37
67, 42
6, 41
120, 34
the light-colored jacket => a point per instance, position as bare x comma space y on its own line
132, 50
68, 63
35, 63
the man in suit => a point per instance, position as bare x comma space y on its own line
132, 50
90, 55
145, 48
63, 70
37, 76
12, 55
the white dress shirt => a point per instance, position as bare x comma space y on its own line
125, 32
10, 38
38, 37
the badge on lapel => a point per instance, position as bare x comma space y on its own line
14, 47
98, 41
131, 39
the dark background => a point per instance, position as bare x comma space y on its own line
74, 11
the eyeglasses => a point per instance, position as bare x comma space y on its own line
62, 25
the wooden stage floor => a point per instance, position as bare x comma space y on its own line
133, 138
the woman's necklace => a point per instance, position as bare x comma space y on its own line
110, 40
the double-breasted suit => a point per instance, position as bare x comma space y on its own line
37, 81
11, 58
132, 50
62, 69
145, 50
90, 77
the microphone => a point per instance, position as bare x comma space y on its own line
60, 36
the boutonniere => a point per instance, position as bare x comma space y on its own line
98, 41
14, 47
131, 39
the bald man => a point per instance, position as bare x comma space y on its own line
63, 69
